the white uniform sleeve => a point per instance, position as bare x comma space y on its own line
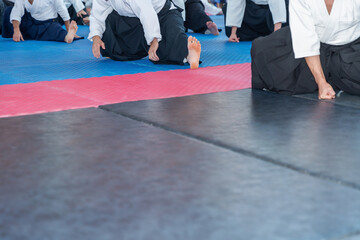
235, 12
62, 10
100, 11
278, 10
67, 3
304, 37
18, 11
88, 3
211, 9
144, 10
78, 5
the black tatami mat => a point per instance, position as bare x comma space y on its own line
91, 174
313, 137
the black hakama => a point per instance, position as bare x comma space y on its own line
8, 3
124, 38
195, 16
275, 68
32, 29
257, 22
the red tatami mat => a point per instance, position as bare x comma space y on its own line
40, 97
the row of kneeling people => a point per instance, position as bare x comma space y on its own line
320, 51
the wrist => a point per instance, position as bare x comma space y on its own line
155, 40
233, 30
96, 38
321, 82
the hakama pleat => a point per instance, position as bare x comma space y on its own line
32, 29
195, 16
124, 38
275, 68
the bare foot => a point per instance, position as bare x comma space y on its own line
194, 48
212, 27
69, 38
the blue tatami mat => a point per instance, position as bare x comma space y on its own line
34, 61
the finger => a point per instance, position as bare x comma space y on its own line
21, 37
102, 44
96, 51
151, 56
328, 96
156, 57
331, 94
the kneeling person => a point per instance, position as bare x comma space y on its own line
36, 20
320, 51
132, 29
195, 16
246, 20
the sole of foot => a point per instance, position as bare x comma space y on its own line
69, 38
212, 28
194, 48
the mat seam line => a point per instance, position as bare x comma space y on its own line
316, 100
241, 151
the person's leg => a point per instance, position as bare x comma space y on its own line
275, 68
343, 66
124, 38
196, 18
46, 30
175, 45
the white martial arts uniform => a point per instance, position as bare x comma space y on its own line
211, 9
310, 24
236, 10
40, 10
334, 37
145, 10
88, 3
77, 4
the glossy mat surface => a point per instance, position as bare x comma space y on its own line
92, 174
309, 136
